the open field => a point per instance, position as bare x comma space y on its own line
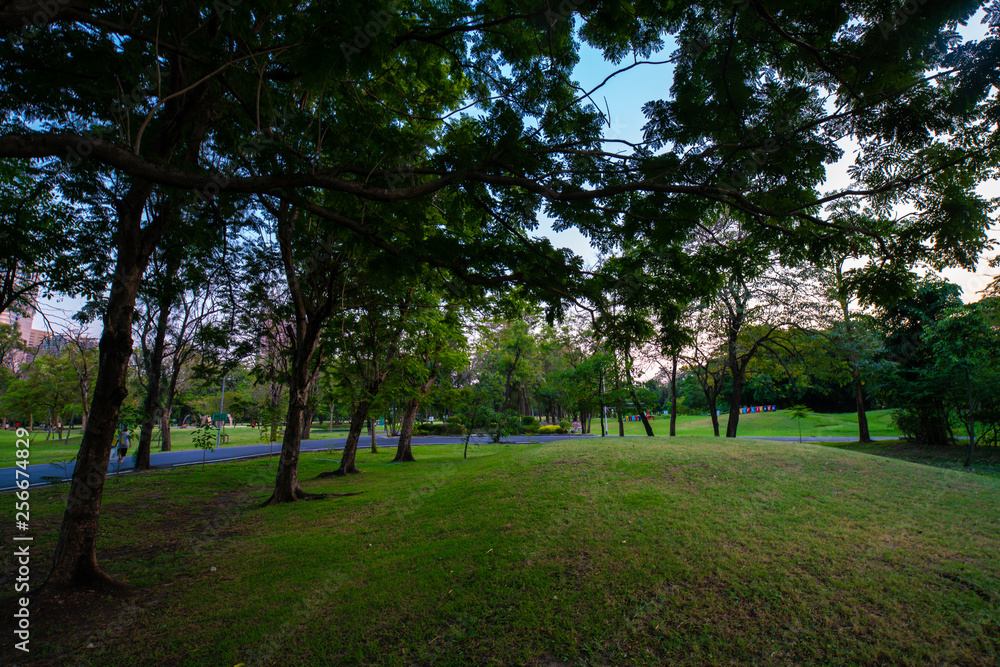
762, 424
765, 424
684, 551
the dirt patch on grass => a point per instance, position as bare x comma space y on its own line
72, 627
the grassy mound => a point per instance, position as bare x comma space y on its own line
687, 551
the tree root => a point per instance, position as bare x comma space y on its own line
299, 494
339, 472
97, 580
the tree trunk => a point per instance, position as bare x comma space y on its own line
638, 405
154, 371
372, 423
275, 396
972, 421
673, 397
404, 450
75, 561
286, 484
349, 454
621, 424
734, 405
859, 399
168, 401
307, 419
604, 413
710, 400
859, 394
739, 380
165, 444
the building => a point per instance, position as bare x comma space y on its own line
37, 341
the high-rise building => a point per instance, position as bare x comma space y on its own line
21, 321
35, 340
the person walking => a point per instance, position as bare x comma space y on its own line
123, 436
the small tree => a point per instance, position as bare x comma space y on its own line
205, 438
799, 412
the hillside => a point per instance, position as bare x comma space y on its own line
643, 551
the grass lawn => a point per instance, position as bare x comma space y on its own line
51, 450
765, 424
761, 424
684, 551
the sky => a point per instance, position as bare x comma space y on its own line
622, 99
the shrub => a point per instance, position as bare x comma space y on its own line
452, 428
549, 429
564, 425
428, 429
529, 421
530, 429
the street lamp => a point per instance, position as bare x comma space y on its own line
222, 401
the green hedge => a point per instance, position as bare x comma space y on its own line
452, 428
449, 428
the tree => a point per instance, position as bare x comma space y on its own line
188, 261
506, 368
434, 345
706, 361
34, 234
853, 342
799, 412
759, 303
907, 378
81, 351
49, 386
966, 344
378, 321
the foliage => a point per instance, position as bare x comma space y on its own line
906, 376
965, 343
799, 412
205, 437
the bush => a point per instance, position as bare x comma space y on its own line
428, 429
530, 429
564, 425
452, 428
549, 429
528, 421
